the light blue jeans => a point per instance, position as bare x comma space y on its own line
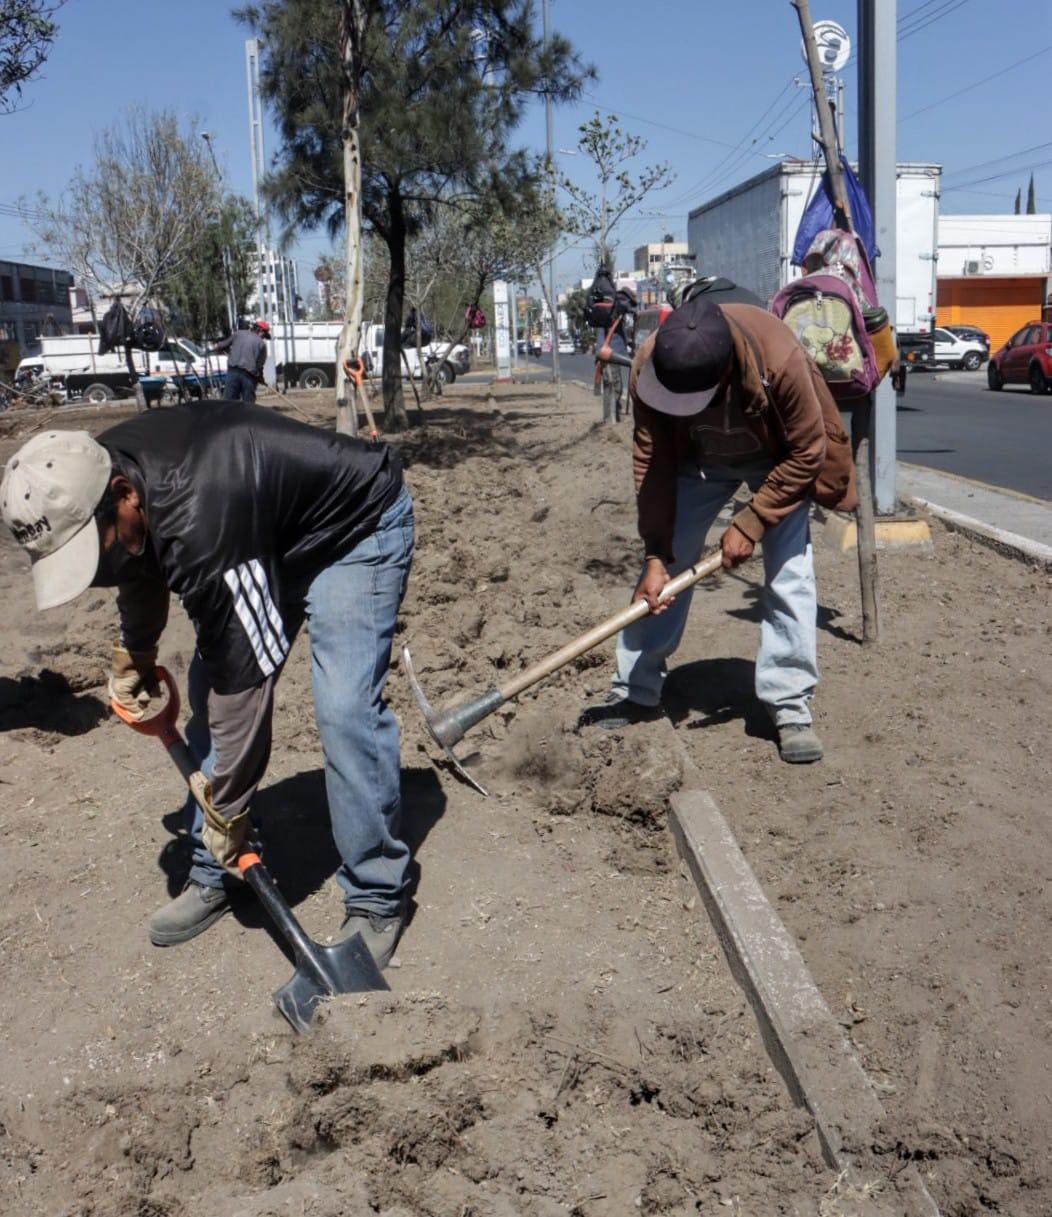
786, 664
352, 607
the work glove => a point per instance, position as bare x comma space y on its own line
225, 839
133, 680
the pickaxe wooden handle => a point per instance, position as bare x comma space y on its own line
449, 726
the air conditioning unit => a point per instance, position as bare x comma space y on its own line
974, 268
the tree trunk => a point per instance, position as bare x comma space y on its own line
352, 21
395, 417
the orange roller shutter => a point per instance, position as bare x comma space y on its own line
998, 306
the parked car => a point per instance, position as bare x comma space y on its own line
566, 344
1025, 359
970, 333
957, 352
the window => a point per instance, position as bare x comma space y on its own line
45, 292
1033, 336
28, 288
943, 336
1017, 339
7, 331
7, 287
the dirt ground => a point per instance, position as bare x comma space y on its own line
563, 1035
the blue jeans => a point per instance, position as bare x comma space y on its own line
240, 386
352, 607
786, 664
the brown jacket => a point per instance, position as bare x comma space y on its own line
795, 422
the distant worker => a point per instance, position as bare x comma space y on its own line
245, 363
724, 395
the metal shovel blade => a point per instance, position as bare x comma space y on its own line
346, 967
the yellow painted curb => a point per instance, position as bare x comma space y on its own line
842, 534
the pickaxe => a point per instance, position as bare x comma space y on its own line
448, 726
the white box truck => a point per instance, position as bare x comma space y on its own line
305, 353
74, 367
747, 234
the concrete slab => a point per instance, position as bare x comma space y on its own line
1014, 523
805, 1042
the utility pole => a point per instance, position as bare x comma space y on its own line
878, 172
231, 295
553, 303
862, 407
255, 138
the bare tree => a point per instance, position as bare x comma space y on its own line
27, 31
129, 223
597, 215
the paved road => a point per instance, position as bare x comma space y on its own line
948, 421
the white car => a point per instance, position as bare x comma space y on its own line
566, 346
957, 352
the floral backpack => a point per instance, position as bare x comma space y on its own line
833, 312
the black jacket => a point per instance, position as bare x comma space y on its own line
243, 508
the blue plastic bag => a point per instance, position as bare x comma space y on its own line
819, 216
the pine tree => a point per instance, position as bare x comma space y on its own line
1018, 200
1031, 198
443, 85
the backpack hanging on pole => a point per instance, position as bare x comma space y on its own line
115, 329
599, 303
833, 312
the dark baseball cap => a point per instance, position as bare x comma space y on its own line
692, 351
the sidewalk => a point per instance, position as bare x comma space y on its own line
1008, 520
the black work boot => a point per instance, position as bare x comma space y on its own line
189, 914
379, 933
616, 712
798, 744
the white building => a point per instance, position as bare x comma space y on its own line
280, 279
995, 271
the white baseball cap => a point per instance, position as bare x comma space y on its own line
48, 496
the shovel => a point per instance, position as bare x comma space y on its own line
449, 726
321, 971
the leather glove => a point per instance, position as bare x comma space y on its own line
224, 839
133, 680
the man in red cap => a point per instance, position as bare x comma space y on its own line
245, 363
725, 395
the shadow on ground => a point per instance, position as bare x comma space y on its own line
293, 823
48, 702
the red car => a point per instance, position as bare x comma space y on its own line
1025, 359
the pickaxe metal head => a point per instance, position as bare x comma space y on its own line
448, 727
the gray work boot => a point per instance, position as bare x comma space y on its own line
189, 914
379, 933
798, 744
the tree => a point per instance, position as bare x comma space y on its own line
196, 293
1031, 198
134, 221
434, 128
598, 215
27, 31
1019, 200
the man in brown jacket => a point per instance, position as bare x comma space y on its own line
724, 395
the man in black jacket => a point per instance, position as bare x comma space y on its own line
256, 523
245, 362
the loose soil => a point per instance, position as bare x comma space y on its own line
563, 1035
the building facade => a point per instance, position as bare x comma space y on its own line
280, 284
34, 301
994, 271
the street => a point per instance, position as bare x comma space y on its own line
948, 421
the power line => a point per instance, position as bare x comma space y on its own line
951, 6
705, 139
976, 83
996, 177
997, 160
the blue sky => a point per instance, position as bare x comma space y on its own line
696, 78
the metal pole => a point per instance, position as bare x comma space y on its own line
255, 129
877, 159
553, 304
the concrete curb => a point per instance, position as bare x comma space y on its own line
1009, 543
805, 1042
